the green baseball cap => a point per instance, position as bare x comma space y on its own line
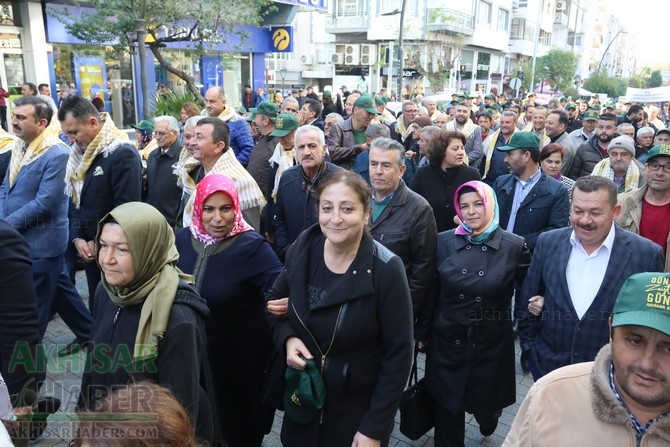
365, 102
562, 99
571, 105
522, 140
267, 108
590, 115
596, 107
660, 149
490, 96
644, 300
379, 101
284, 124
144, 125
304, 393
327, 94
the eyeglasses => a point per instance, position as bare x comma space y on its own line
655, 166
161, 133
411, 111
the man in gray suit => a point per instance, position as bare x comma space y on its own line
577, 273
33, 201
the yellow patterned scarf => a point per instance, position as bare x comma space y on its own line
604, 169
249, 193
24, 156
105, 142
468, 127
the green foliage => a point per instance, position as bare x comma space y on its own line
636, 81
202, 23
655, 80
171, 103
601, 83
560, 69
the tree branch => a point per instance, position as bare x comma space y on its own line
190, 83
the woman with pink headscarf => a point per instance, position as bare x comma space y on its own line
470, 357
233, 266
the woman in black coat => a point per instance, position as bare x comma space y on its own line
350, 310
470, 358
445, 172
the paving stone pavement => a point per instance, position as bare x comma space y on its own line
64, 379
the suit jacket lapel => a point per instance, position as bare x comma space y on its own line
618, 261
562, 258
89, 177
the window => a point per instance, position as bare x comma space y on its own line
503, 20
518, 28
351, 7
484, 16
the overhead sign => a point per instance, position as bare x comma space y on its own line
658, 94
317, 4
282, 39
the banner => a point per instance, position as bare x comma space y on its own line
91, 77
658, 94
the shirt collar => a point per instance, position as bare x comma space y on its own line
532, 179
608, 243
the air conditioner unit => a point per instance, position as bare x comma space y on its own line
337, 58
307, 59
352, 54
560, 6
368, 54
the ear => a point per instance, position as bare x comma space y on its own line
219, 147
616, 211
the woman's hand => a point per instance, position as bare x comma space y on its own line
535, 305
360, 440
278, 307
294, 349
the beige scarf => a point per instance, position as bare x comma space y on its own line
403, 130
105, 142
24, 156
249, 193
283, 159
227, 114
468, 127
604, 169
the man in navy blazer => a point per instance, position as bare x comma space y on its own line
32, 200
530, 201
577, 272
104, 171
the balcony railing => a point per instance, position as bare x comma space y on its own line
444, 19
348, 21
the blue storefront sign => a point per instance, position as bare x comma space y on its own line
212, 72
282, 39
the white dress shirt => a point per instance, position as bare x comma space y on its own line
585, 272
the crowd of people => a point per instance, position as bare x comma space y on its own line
319, 235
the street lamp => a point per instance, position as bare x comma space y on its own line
282, 74
607, 49
401, 68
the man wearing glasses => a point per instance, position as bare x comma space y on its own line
161, 189
402, 129
646, 211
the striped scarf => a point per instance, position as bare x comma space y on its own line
283, 159
105, 142
603, 169
249, 193
24, 156
468, 127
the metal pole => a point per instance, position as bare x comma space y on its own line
141, 53
537, 41
389, 83
401, 67
607, 49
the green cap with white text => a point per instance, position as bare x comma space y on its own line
644, 300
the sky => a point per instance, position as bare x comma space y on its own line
646, 19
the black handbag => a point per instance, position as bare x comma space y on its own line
417, 406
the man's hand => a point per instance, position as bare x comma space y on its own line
535, 305
85, 249
278, 307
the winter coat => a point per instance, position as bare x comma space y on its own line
470, 360
575, 405
367, 315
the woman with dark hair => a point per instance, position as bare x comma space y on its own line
551, 161
446, 171
470, 358
148, 320
349, 310
233, 267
